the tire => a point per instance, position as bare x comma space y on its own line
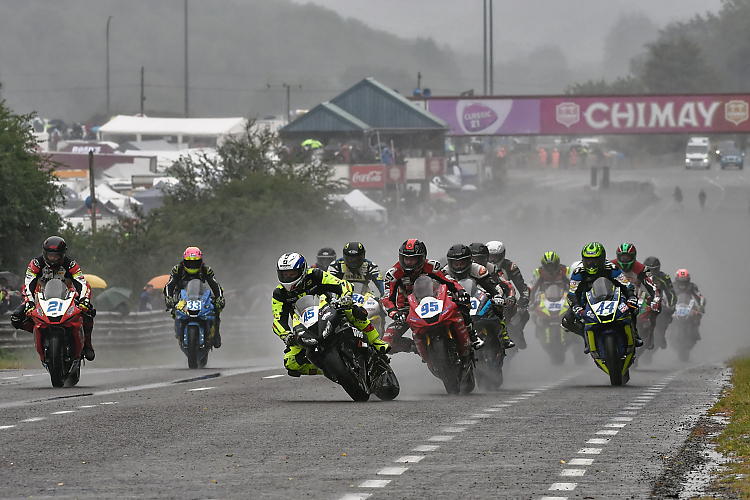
612, 357
56, 362
202, 363
334, 367
193, 344
449, 373
74, 377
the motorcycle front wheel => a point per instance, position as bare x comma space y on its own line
334, 366
449, 373
56, 364
612, 357
193, 341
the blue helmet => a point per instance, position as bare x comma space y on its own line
291, 270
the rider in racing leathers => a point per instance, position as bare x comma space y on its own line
683, 284
550, 272
192, 267
461, 266
355, 268
639, 275
664, 283
326, 256
55, 263
594, 265
493, 254
296, 281
399, 282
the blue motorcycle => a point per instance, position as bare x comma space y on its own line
489, 359
195, 323
608, 328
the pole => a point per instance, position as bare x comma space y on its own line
484, 48
288, 103
492, 59
108, 20
143, 97
92, 192
187, 109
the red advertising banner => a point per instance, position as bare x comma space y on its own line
371, 176
644, 114
433, 167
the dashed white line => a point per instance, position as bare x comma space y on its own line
356, 496
87, 406
598, 441
200, 389
607, 433
440, 438
590, 451
573, 472
563, 486
452, 429
581, 461
426, 447
34, 419
375, 483
409, 459
467, 422
274, 376
62, 412
481, 415
619, 426
623, 419
392, 471
6, 426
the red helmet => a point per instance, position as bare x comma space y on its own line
54, 250
412, 255
192, 259
682, 275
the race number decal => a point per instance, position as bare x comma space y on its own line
54, 306
358, 298
310, 316
605, 307
193, 305
429, 307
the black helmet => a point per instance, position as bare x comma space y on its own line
412, 255
54, 250
480, 253
653, 264
459, 261
354, 255
326, 256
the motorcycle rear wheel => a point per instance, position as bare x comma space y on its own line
612, 357
333, 365
193, 340
450, 373
56, 364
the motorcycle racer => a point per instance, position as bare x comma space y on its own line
461, 266
326, 256
55, 263
594, 265
399, 282
192, 267
683, 284
638, 275
296, 281
551, 271
664, 284
355, 268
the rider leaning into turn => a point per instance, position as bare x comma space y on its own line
639, 275
192, 267
461, 267
296, 281
550, 272
54, 263
355, 268
399, 283
594, 265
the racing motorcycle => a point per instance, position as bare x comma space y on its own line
58, 329
607, 325
363, 297
685, 325
195, 323
440, 336
489, 367
341, 351
550, 307
646, 352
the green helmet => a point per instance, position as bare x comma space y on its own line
550, 262
593, 257
626, 254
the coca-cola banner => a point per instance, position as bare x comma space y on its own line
595, 115
371, 176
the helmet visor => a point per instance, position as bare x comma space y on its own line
480, 259
550, 267
410, 262
626, 258
459, 265
193, 264
289, 275
324, 261
53, 258
354, 261
495, 258
591, 262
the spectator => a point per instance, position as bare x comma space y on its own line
386, 157
573, 157
678, 195
144, 304
543, 157
555, 158
4, 300
702, 198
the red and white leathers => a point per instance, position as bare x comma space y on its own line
638, 275
398, 287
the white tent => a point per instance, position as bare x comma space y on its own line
104, 194
364, 206
140, 126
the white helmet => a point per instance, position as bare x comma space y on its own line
291, 270
575, 265
497, 251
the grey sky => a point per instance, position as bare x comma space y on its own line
577, 26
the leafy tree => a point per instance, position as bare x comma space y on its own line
621, 86
625, 41
677, 66
28, 195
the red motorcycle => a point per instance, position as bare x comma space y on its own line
440, 335
58, 328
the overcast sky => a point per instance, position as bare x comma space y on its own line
577, 26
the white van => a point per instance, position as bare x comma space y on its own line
698, 153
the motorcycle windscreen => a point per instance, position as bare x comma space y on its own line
56, 289
307, 309
684, 306
554, 293
425, 287
195, 289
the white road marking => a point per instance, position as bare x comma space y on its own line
9, 378
62, 412
356, 496
634, 407
6, 426
440, 438
109, 403
598, 441
628, 413
467, 422
34, 419
573, 472
88, 406
200, 389
274, 376
623, 419
452, 429
480, 415
590, 451
491, 409
375, 483
501, 405
392, 471
607, 433
563, 486
581, 461
426, 447
554, 498
619, 426
409, 459
511, 401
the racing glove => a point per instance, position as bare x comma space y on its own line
221, 303
397, 316
169, 302
290, 339
510, 301
345, 301
578, 312
85, 304
633, 302
523, 302
29, 307
463, 298
498, 301
656, 304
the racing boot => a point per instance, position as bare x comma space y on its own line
476, 342
88, 351
586, 347
504, 338
374, 339
217, 339
521, 340
637, 341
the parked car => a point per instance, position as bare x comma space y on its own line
732, 157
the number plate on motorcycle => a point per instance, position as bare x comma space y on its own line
310, 316
53, 307
429, 307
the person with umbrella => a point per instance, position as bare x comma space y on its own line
192, 267
55, 263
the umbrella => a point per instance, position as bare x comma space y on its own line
312, 143
95, 281
111, 298
159, 281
